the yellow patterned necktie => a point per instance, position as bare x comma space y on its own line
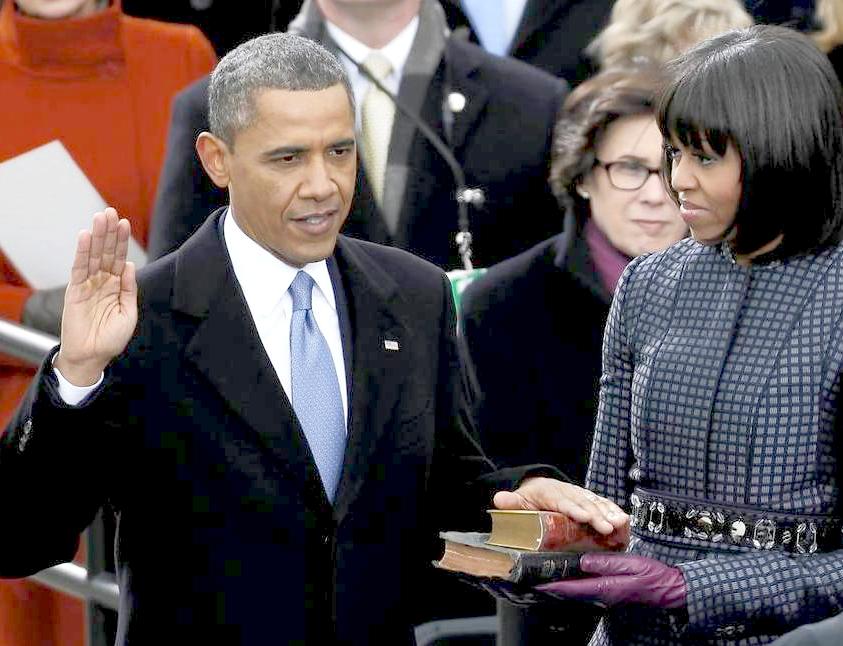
376, 120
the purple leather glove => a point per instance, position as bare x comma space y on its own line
622, 579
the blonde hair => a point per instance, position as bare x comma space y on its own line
656, 31
829, 15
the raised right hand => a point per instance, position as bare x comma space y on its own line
101, 301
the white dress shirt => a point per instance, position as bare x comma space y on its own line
396, 52
509, 20
265, 281
513, 13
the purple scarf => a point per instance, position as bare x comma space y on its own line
609, 261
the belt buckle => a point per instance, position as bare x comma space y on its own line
764, 534
806, 538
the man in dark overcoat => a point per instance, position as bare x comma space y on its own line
275, 413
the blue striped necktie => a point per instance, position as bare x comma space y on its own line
316, 389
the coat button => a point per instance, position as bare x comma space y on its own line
26, 431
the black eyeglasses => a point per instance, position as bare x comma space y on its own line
627, 175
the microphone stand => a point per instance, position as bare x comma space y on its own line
465, 196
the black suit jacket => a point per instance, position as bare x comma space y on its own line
534, 329
225, 534
502, 139
226, 23
552, 34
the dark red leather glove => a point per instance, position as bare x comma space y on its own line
624, 579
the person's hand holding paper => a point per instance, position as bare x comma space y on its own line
47, 199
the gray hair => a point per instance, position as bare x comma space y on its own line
278, 61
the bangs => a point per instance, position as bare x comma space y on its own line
694, 111
770, 93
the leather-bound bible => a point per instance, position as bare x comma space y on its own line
547, 531
469, 553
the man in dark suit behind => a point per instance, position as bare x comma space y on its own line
226, 23
496, 116
278, 457
551, 34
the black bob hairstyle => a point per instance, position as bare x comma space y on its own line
772, 94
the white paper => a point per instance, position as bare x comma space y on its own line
45, 200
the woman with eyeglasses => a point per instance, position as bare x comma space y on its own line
534, 323
719, 427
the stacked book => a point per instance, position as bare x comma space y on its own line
524, 547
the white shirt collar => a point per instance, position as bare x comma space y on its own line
396, 51
263, 277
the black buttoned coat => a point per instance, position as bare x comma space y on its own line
551, 35
225, 534
534, 329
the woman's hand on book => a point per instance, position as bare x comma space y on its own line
584, 506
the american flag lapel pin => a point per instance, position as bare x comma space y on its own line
390, 344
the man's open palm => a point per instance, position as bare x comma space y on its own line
101, 303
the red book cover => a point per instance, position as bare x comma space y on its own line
549, 531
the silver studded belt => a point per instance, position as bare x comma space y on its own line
656, 514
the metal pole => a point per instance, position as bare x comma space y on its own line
97, 613
25, 343
95, 586
73, 579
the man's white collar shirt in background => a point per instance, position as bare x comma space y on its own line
396, 52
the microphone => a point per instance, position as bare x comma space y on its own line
465, 196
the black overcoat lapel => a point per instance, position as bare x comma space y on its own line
464, 64
227, 350
378, 373
537, 13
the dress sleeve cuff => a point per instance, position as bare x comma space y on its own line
74, 395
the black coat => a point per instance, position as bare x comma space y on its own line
502, 139
225, 535
226, 23
552, 34
534, 328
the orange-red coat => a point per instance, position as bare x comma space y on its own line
102, 85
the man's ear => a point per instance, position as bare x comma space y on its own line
214, 155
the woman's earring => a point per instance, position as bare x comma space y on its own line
582, 193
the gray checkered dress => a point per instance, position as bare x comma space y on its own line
721, 382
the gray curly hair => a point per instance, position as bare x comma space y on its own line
279, 61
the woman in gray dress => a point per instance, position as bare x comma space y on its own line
718, 420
